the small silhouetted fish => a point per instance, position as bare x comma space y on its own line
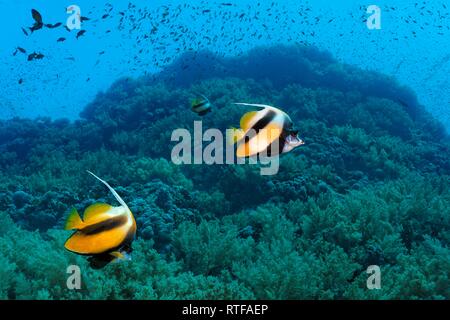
20, 81
38, 20
25, 31
105, 16
52, 26
61, 39
36, 16
84, 19
80, 33
34, 56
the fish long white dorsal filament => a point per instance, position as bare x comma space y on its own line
254, 105
115, 194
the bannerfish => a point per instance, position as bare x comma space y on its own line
268, 130
105, 233
201, 105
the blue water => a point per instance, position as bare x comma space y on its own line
412, 45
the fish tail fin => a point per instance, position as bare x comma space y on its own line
73, 220
204, 112
233, 135
120, 255
115, 194
100, 261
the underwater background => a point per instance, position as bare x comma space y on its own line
369, 187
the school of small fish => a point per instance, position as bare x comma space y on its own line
159, 34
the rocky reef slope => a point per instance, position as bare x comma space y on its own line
371, 186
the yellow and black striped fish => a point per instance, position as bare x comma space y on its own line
201, 105
268, 130
105, 233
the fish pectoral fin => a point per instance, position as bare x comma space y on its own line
73, 220
246, 119
94, 210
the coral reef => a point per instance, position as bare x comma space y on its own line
370, 186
